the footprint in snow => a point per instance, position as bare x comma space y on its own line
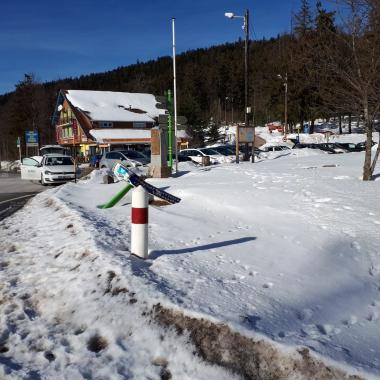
355, 245
352, 320
268, 285
373, 316
376, 222
304, 314
347, 208
325, 329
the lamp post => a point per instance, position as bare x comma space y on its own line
232, 110
285, 79
232, 15
225, 109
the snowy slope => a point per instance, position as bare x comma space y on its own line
288, 247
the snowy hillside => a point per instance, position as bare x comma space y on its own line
287, 248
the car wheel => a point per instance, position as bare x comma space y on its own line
43, 183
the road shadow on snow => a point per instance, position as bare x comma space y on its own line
155, 254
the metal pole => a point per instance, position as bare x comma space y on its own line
286, 105
225, 110
170, 130
246, 28
246, 75
232, 118
175, 97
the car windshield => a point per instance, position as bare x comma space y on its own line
209, 151
222, 150
58, 161
133, 154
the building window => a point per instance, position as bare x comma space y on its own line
106, 124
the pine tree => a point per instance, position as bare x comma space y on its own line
302, 21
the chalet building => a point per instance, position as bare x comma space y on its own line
90, 120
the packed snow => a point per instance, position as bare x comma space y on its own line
287, 248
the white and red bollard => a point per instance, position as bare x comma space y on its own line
139, 231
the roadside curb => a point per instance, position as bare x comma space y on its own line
257, 359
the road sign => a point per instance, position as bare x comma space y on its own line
246, 134
31, 138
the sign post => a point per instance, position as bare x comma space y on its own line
19, 148
31, 140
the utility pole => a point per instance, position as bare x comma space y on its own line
175, 97
247, 110
225, 110
286, 104
246, 50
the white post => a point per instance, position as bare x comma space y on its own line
139, 229
175, 98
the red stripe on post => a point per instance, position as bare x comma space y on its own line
139, 215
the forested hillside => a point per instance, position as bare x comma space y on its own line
327, 75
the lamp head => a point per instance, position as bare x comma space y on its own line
229, 15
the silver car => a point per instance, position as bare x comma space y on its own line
109, 159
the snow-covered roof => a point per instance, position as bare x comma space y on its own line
105, 135
115, 106
112, 134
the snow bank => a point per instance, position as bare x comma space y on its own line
286, 248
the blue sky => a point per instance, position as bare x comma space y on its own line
68, 38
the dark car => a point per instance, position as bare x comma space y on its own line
181, 157
94, 160
350, 147
363, 144
331, 148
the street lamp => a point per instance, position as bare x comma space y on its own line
285, 79
225, 109
232, 15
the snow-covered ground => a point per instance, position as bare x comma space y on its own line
288, 248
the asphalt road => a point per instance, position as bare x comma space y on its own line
14, 193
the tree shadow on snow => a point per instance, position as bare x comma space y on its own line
156, 254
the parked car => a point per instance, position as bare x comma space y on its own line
181, 157
48, 169
134, 155
197, 154
331, 148
55, 149
363, 144
227, 151
350, 147
95, 160
109, 159
274, 148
